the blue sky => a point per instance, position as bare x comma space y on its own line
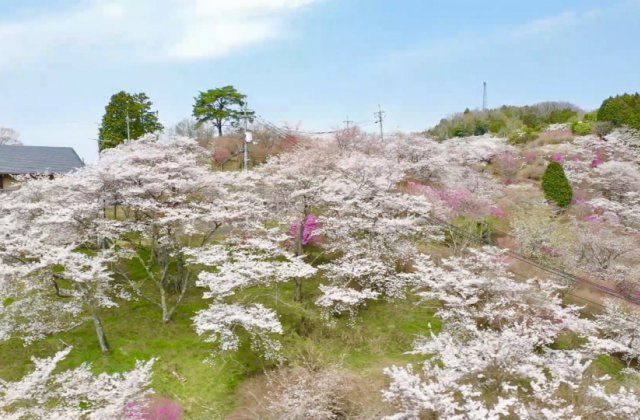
307, 62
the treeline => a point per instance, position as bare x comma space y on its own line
523, 124
621, 110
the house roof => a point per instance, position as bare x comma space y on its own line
16, 160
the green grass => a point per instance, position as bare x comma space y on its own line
379, 337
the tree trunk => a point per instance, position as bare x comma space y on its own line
298, 289
299, 239
166, 314
102, 337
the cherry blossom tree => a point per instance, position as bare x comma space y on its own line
620, 324
599, 248
539, 234
292, 185
238, 264
164, 201
616, 178
373, 227
494, 356
73, 394
54, 273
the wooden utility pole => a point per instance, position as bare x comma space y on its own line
247, 139
484, 96
128, 128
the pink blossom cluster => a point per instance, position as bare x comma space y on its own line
579, 197
498, 213
155, 408
457, 201
310, 224
530, 156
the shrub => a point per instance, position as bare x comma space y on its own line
506, 165
556, 186
602, 128
534, 171
523, 136
581, 128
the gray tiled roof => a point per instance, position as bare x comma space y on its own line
16, 160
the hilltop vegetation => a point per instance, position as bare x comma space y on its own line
517, 123
524, 124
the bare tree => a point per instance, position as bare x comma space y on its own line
9, 136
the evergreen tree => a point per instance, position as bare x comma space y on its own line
137, 108
217, 106
556, 186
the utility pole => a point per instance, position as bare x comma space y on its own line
484, 96
245, 165
348, 122
379, 117
128, 128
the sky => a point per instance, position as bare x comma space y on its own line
306, 63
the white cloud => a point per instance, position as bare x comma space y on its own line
554, 23
146, 29
460, 46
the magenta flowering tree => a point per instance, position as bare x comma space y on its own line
308, 226
460, 207
452, 203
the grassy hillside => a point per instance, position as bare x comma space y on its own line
204, 384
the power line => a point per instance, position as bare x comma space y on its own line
542, 266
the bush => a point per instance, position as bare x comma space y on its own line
556, 186
523, 136
533, 171
601, 128
581, 128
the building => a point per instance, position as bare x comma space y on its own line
35, 161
